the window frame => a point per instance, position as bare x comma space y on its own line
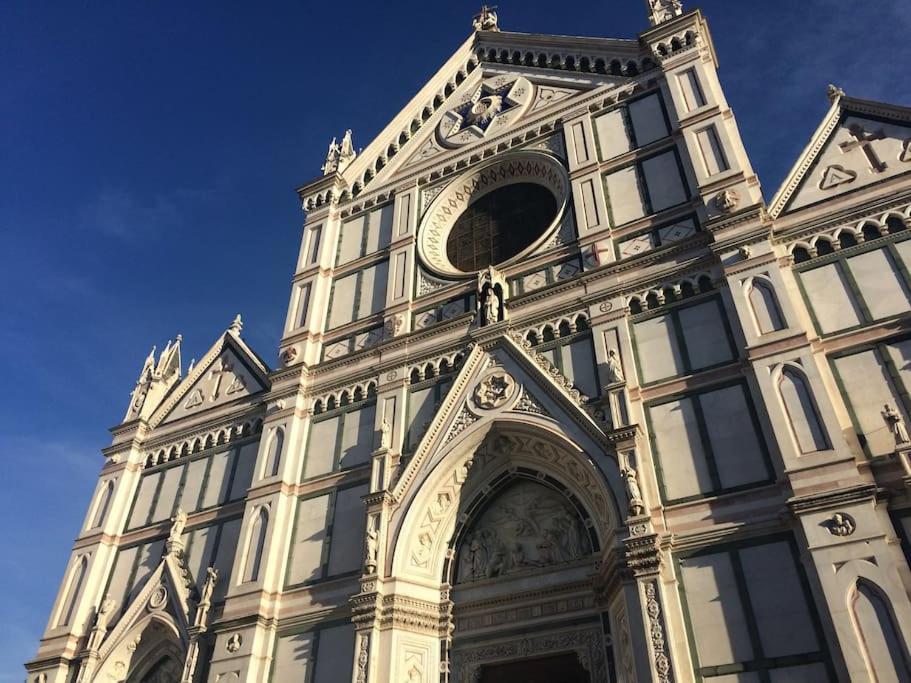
840, 258
762, 665
672, 310
894, 380
714, 475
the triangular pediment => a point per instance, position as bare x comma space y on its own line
447, 116
229, 371
489, 105
503, 379
859, 144
166, 591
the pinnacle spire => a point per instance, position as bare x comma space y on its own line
236, 325
486, 19
663, 10
834, 93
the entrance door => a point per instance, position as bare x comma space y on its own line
563, 668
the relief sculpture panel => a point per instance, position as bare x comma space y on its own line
528, 525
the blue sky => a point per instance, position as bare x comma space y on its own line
148, 158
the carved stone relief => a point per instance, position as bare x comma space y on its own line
529, 525
588, 644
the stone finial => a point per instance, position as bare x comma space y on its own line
236, 325
663, 10
332, 157
486, 19
833, 92
346, 153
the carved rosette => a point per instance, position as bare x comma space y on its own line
495, 390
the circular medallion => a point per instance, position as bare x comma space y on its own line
490, 107
495, 214
494, 391
159, 597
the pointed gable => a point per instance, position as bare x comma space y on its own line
541, 72
502, 379
229, 371
859, 144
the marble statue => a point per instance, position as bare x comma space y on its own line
896, 424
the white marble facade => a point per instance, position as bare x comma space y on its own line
661, 437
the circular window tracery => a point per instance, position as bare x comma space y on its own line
494, 215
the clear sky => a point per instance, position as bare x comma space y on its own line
148, 158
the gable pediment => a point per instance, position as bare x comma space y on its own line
229, 371
488, 106
503, 379
860, 144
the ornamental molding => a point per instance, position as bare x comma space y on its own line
660, 656
828, 500
522, 167
494, 103
841, 107
220, 433
587, 644
603, 97
853, 223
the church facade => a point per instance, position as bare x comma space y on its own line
559, 398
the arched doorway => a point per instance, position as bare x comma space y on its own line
521, 566
511, 523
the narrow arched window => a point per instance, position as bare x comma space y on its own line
800, 407
880, 638
256, 543
274, 453
73, 589
765, 308
102, 505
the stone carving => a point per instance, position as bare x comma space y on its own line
491, 307
205, 601
588, 646
102, 617
194, 399
529, 525
485, 20
656, 631
385, 435
744, 252
495, 102
905, 155
462, 422
372, 545
289, 355
363, 656
635, 503
494, 390
236, 326
726, 200
529, 404
159, 597
836, 175
896, 424
234, 643
178, 522
863, 141
833, 92
614, 368
394, 325
332, 155
339, 156
664, 10
841, 524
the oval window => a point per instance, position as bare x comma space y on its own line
500, 225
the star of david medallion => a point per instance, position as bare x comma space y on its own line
495, 103
494, 390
